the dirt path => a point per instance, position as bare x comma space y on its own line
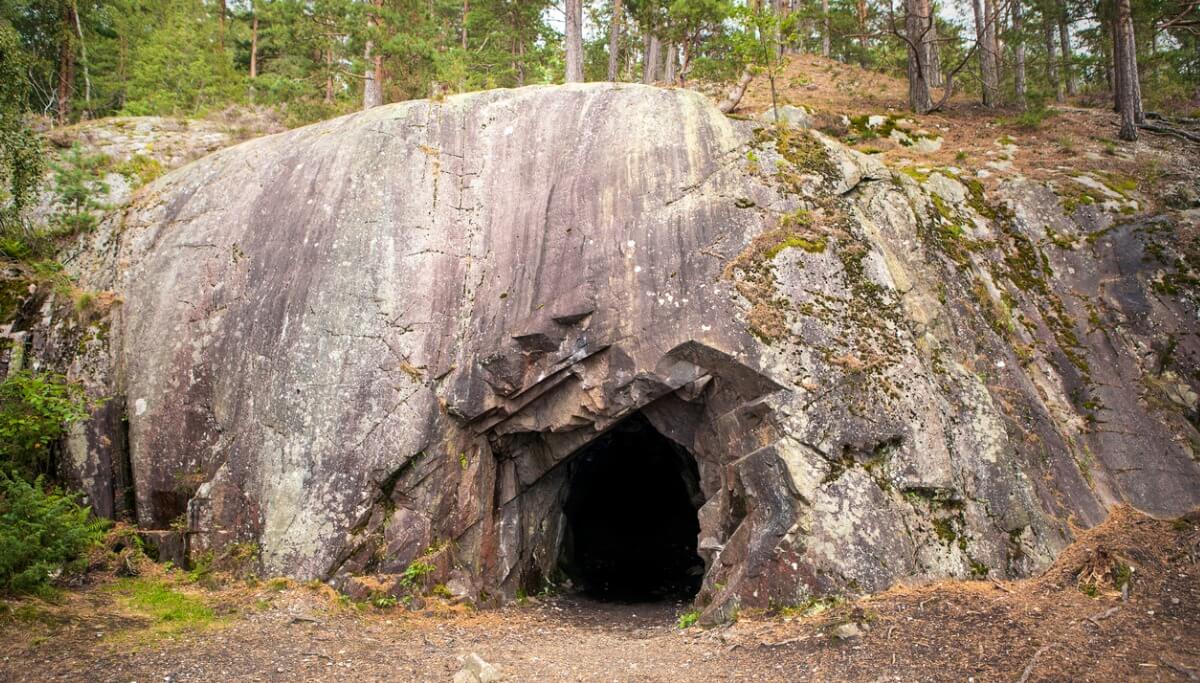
1072, 618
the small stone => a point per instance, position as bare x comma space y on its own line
927, 145
476, 670
847, 631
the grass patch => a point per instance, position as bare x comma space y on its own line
1030, 119
171, 612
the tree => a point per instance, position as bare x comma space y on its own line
918, 25
1064, 33
1018, 42
1049, 11
985, 38
614, 40
177, 68
78, 180
825, 29
21, 159
373, 63
1128, 92
574, 40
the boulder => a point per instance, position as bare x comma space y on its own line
386, 338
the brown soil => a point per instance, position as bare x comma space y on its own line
983, 631
1073, 138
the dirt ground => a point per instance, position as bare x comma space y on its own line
1076, 136
1070, 624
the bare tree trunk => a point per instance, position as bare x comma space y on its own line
253, 45
329, 75
862, 23
372, 64
670, 63
520, 64
933, 61
735, 94
466, 8
574, 41
66, 67
1064, 36
1018, 28
984, 35
1127, 92
1048, 38
825, 31
650, 62
916, 25
83, 61
614, 40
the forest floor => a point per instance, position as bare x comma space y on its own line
1069, 624
1061, 140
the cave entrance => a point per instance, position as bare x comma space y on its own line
631, 504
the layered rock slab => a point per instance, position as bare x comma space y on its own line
375, 340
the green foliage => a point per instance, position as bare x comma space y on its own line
415, 573
178, 68
140, 169
384, 601
1031, 118
78, 179
35, 412
688, 619
21, 164
170, 609
42, 532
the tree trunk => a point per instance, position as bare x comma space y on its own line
933, 61
1048, 37
466, 8
735, 94
916, 25
83, 61
984, 32
825, 31
650, 63
861, 6
1064, 36
66, 66
614, 40
372, 63
1018, 28
520, 64
574, 41
670, 62
253, 45
329, 75
1125, 53
1128, 92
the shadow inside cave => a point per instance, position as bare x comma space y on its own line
631, 517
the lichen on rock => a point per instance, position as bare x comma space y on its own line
382, 339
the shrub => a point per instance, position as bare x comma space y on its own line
35, 412
78, 180
688, 619
42, 533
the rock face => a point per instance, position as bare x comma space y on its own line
381, 339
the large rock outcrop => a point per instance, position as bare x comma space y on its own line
383, 337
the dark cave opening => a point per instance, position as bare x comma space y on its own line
631, 524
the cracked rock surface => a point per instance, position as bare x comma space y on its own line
372, 341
